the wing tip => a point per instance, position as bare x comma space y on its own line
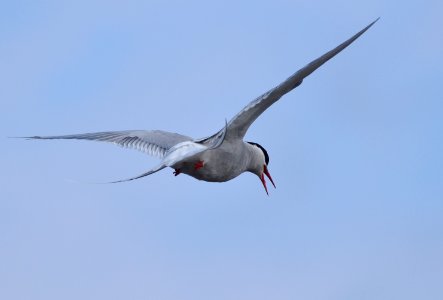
367, 27
36, 137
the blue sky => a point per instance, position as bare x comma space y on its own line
356, 151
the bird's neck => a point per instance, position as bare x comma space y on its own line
256, 159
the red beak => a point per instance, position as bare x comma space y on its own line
262, 178
265, 170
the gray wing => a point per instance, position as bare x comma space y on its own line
239, 125
210, 143
215, 140
152, 142
152, 171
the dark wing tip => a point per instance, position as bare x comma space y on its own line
36, 137
367, 27
372, 23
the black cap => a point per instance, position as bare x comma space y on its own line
262, 149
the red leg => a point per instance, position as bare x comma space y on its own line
199, 165
177, 172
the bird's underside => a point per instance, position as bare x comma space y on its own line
219, 157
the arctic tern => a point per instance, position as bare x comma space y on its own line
222, 156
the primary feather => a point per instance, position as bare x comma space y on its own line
151, 142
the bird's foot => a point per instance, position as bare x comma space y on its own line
177, 172
198, 165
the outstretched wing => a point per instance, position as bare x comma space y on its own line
182, 151
152, 171
239, 125
179, 153
151, 142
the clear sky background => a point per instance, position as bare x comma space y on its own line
356, 151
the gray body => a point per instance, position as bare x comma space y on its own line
225, 155
224, 163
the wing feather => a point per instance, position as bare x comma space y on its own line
151, 142
239, 125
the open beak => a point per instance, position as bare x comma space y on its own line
262, 178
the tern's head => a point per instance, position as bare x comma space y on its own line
260, 164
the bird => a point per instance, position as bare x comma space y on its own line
222, 156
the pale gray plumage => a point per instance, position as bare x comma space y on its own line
239, 125
151, 142
222, 156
